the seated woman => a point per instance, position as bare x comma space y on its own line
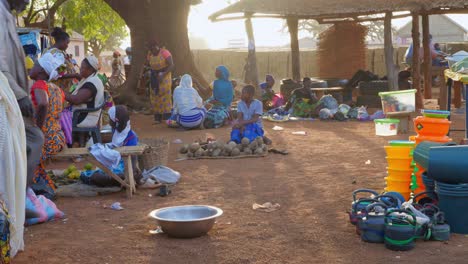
48, 100
223, 94
270, 100
188, 110
248, 123
122, 136
89, 93
302, 101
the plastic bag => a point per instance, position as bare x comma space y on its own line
343, 108
329, 102
362, 114
325, 114
162, 174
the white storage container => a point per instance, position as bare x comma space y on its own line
398, 101
386, 127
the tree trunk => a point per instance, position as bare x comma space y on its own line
392, 69
416, 64
295, 53
166, 21
427, 57
251, 70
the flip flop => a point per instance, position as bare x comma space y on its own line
282, 152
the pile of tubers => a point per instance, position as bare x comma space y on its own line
220, 149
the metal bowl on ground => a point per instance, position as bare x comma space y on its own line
187, 221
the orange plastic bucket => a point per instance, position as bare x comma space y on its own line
399, 175
399, 163
398, 151
398, 186
435, 127
443, 139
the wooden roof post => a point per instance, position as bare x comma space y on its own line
416, 62
293, 26
251, 70
392, 69
427, 57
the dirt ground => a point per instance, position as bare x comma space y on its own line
313, 185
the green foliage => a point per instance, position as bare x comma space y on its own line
100, 25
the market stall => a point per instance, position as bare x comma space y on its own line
454, 78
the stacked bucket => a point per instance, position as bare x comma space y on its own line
400, 167
432, 126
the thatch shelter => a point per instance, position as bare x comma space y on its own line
337, 11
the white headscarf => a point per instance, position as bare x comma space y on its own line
186, 81
118, 138
50, 63
93, 61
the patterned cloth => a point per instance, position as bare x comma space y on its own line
192, 118
4, 234
162, 102
54, 139
217, 115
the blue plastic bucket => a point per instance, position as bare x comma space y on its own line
428, 182
453, 201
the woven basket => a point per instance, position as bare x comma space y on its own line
156, 155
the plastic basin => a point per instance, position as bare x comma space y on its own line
435, 127
398, 186
386, 127
435, 113
399, 163
448, 164
398, 152
453, 201
443, 139
398, 101
399, 175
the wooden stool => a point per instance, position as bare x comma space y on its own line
405, 119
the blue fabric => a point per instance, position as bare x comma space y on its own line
222, 88
251, 131
248, 112
409, 54
131, 140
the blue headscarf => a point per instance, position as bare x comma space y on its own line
222, 87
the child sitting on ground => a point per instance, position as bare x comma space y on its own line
248, 123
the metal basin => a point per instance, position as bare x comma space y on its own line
187, 221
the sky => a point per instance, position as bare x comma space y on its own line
268, 32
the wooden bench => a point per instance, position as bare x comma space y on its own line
125, 152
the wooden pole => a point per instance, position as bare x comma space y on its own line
416, 62
392, 69
427, 57
251, 74
293, 25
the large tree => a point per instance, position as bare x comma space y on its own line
42, 13
100, 25
166, 21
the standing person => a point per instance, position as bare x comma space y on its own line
221, 101
127, 61
188, 105
20, 151
61, 41
48, 99
116, 64
161, 64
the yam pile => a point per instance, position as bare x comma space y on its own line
218, 149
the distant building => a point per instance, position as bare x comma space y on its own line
77, 47
443, 30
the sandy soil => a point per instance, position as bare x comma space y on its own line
313, 185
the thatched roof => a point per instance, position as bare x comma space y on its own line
313, 9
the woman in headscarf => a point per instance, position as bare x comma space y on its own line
61, 42
221, 101
122, 136
89, 93
188, 108
161, 64
48, 100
